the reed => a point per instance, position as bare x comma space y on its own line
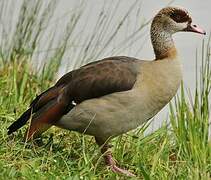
180, 149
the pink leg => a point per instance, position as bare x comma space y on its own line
112, 163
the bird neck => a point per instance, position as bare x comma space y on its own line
162, 42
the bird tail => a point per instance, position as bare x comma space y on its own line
20, 121
49, 101
44, 118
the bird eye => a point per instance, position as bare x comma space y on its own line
180, 17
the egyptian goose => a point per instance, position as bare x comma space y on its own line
112, 96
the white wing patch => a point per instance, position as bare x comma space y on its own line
74, 103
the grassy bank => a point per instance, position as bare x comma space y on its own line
180, 149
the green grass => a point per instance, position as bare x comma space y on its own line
180, 149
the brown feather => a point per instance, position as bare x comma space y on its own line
177, 14
46, 117
45, 97
180, 16
93, 80
99, 78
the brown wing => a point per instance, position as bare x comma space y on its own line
100, 78
93, 80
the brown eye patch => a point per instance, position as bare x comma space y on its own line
180, 16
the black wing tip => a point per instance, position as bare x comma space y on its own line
10, 131
19, 122
13, 127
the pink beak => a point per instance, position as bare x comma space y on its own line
195, 28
